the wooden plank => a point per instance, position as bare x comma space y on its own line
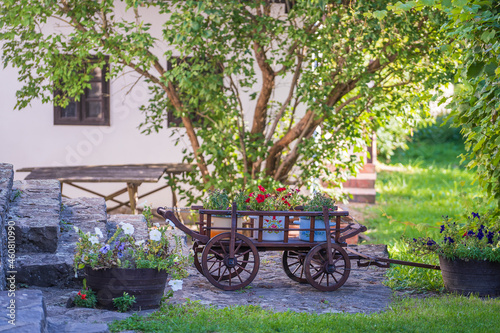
131, 173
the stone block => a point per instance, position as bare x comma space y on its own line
137, 221
6, 181
30, 312
35, 208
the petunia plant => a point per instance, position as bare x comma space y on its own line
160, 251
478, 238
280, 199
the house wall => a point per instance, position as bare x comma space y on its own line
28, 138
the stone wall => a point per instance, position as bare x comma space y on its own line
6, 180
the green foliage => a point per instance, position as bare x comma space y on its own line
217, 200
319, 200
401, 277
148, 215
346, 69
435, 314
472, 44
124, 303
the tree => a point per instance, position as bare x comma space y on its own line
472, 29
345, 67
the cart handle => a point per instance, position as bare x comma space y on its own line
168, 215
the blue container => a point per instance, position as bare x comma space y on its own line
319, 236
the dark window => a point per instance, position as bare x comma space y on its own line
93, 106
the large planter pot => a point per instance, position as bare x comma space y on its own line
146, 284
471, 277
225, 222
272, 222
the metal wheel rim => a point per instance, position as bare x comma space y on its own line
214, 258
294, 269
316, 264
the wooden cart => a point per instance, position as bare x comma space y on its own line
230, 260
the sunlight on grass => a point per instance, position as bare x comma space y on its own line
436, 314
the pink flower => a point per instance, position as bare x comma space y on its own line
262, 188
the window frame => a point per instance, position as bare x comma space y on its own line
81, 117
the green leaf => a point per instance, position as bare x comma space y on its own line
380, 14
475, 69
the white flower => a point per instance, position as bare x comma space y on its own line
371, 84
142, 204
139, 242
76, 228
128, 228
156, 224
176, 284
155, 235
98, 232
94, 240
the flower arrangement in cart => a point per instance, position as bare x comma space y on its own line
478, 238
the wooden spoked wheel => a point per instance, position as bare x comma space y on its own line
228, 273
197, 249
293, 265
323, 276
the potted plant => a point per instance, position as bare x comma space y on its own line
220, 200
469, 253
126, 264
281, 199
316, 203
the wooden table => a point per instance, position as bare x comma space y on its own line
131, 174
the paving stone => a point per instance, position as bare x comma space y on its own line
6, 181
35, 208
29, 313
56, 269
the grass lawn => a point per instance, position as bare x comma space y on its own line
410, 202
435, 314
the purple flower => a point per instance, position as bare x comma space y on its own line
430, 242
474, 215
480, 234
104, 249
449, 240
121, 247
470, 233
120, 254
442, 229
489, 236
415, 240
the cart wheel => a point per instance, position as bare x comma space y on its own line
230, 273
293, 265
197, 249
326, 277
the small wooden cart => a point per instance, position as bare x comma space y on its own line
230, 260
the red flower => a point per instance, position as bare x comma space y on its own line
251, 194
260, 198
84, 296
79, 294
262, 188
268, 195
281, 189
288, 203
247, 200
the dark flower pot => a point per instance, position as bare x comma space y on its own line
146, 284
471, 277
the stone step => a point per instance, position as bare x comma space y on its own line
6, 181
35, 207
56, 269
28, 313
362, 195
